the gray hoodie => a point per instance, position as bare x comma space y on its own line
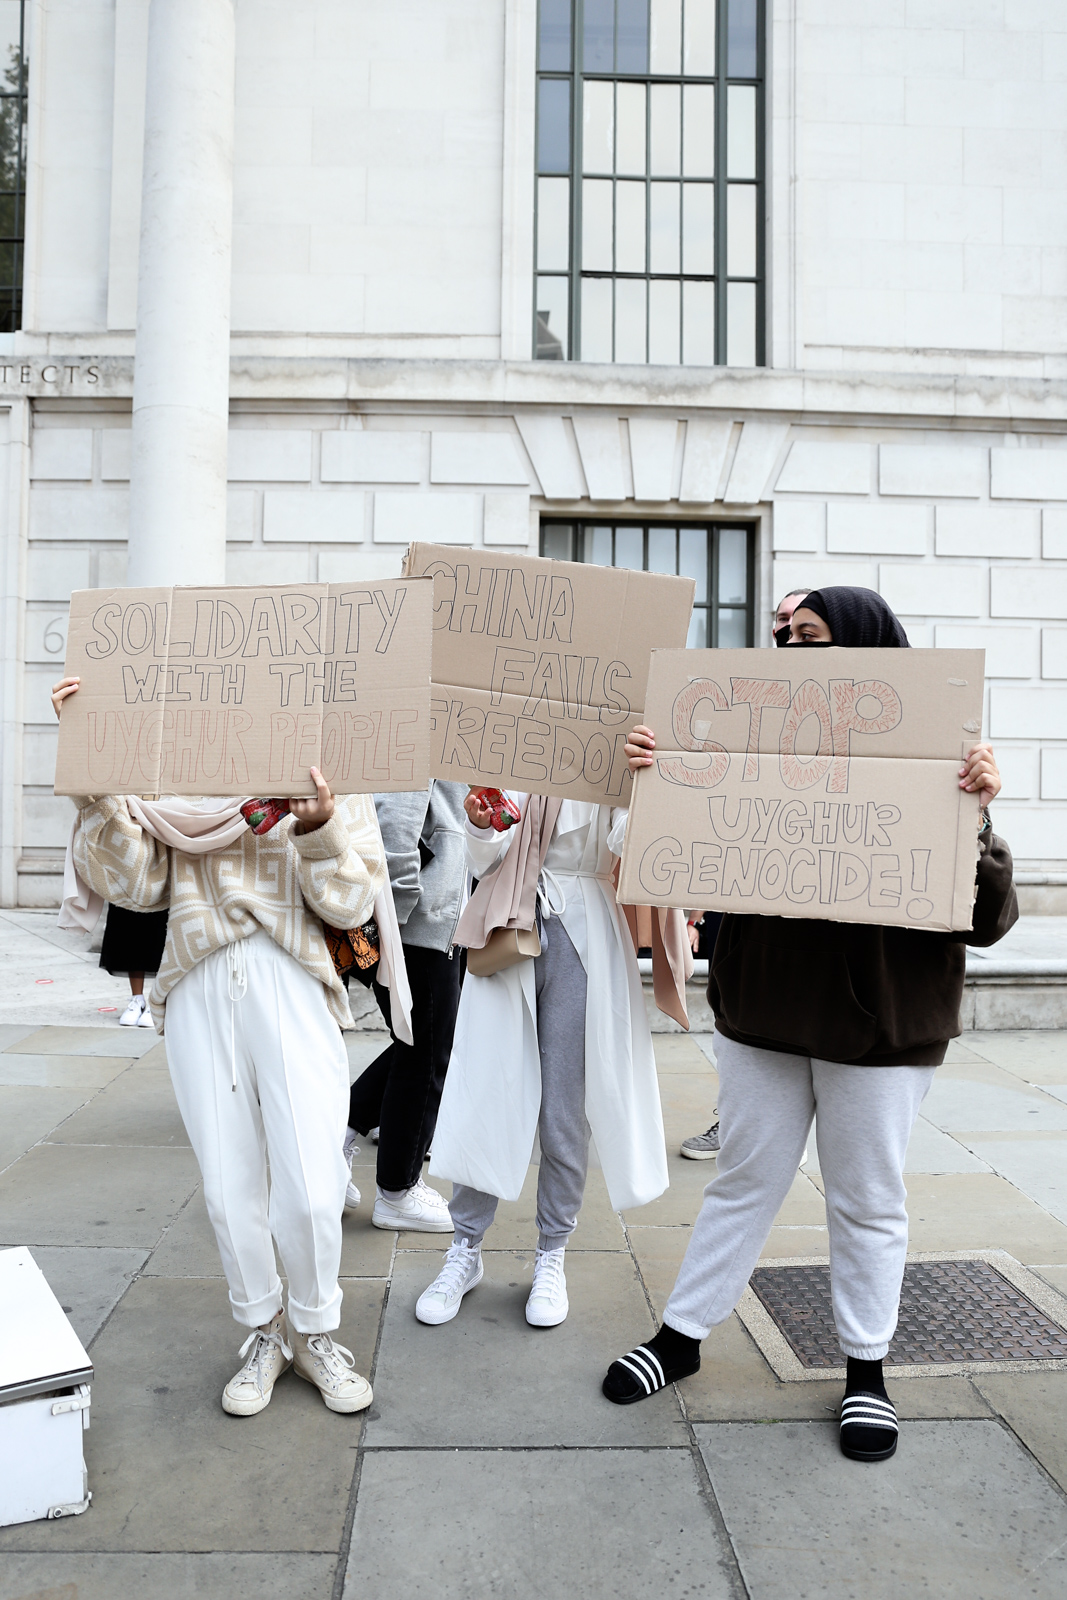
424, 842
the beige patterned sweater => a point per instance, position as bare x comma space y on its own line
274, 881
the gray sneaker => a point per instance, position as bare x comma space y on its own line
702, 1146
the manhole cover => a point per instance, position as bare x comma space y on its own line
949, 1311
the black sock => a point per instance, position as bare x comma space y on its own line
673, 1348
865, 1376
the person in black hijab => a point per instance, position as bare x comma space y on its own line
853, 617
846, 1019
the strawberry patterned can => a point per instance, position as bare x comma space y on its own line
261, 815
505, 813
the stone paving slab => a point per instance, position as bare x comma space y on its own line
88, 1282
61, 1072
71, 1041
86, 1195
137, 1108
961, 1512
171, 1471
28, 1115
1034, 1404
1037, 1166
1037, 1056
602, 1524
166, 1577
956, 1106
487, 1378
981, 1211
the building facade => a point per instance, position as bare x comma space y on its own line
766, 293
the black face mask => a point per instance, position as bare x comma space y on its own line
781, 635
807, 644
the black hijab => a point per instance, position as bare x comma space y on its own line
856, 617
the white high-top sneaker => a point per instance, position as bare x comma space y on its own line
419, 1209
548, 1305
351, 1148
331, 1368
249, 1390
462, 1270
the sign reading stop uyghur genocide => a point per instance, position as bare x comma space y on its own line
239, 691
809, 783
540, 667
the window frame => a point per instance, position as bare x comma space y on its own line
721, 183
710, 526
11, 291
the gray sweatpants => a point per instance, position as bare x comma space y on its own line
766, 1104
560, 982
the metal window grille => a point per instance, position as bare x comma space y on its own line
719, 556
13, 96
650, 164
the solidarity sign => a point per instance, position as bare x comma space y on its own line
238, 691
539, 667
809, 783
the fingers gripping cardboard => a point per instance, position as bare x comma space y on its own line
238, 691
539, 667
809, 783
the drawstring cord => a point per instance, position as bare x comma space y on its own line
237, 988
547, 886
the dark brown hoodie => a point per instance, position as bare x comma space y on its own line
878, 997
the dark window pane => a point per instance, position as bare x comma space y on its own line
554, 125
662, 550
693, 559
597, 549
630, 548
555, 36
557, 541
733, 630
741, 39
598, 44
631, 51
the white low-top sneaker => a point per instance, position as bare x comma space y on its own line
249, 1390
331, 1368
146, 1019
351, 1148
419, 1209
133, 1013
548, 1305
462, 1271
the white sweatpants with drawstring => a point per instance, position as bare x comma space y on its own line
290, 1106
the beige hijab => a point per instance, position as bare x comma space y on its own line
200, 827
507, 898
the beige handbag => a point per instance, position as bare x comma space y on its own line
505, 947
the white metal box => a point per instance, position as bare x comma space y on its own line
44, 1398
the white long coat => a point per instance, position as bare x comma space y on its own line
488, 1118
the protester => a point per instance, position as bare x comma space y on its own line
133, 945
399, 1093
783, 612
252, 1008
556, 1045
705, 1146
844, 1022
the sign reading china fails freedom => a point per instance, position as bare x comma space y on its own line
238, 691
809, 783
540, 667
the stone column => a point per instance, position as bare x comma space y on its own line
182, 367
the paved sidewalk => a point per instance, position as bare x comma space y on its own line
489, 1463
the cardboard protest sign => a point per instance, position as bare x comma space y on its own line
809, 783
238, 691
539, 667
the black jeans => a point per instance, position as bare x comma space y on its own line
400, 1092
